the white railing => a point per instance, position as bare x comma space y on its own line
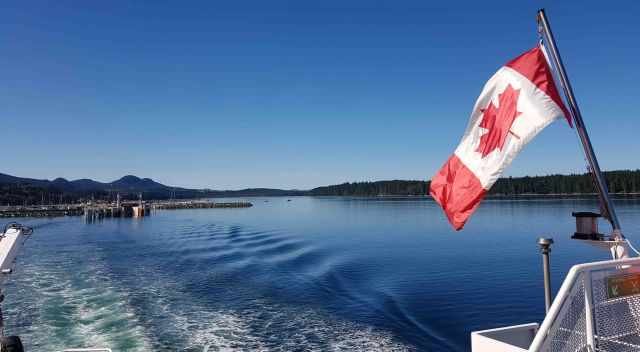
585, 318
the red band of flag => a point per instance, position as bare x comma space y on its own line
533, 65
457, 190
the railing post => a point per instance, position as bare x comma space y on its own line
588, 309
545, 248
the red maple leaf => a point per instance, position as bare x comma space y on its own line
498, 121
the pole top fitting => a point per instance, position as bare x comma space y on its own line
545, 243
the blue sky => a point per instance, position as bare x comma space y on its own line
292, 94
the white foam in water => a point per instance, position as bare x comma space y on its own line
71, 304
218, 332
273, 328
264, 326
72, 311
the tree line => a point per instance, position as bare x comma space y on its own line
622, 181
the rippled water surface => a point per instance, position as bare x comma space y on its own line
316, 274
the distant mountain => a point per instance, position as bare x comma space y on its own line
8, 179
18, 190
126, 183
69, 186
135, 183
84, 184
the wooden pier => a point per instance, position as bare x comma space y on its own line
102, 211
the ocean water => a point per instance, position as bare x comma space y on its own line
309, 274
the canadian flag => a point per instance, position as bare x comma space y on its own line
515, 104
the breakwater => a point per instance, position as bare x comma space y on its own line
41, 211
95, 211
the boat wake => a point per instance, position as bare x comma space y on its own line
71, 309
214, 288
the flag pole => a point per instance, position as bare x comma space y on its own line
601, 185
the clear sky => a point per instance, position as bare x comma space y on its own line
293, 94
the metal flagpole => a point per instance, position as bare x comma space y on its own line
601, 185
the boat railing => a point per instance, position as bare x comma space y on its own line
596, 309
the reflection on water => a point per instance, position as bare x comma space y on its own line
310, 274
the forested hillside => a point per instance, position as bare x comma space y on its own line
624, 181
28, 191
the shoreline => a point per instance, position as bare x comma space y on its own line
50, 210
493, 196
